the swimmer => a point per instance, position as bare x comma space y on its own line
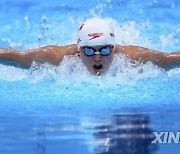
96, 48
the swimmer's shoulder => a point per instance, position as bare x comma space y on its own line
127, 50
71, 49
133, 51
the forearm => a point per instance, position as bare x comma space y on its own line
14, 58
163, 60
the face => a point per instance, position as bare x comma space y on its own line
97, 63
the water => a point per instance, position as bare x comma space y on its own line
65, 109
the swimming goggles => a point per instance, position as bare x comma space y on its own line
104, 51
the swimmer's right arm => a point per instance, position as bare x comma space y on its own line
141, 54
50, 54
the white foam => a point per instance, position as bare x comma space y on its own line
10, 73
72, 71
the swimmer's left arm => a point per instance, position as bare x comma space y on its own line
50, 54
140, 54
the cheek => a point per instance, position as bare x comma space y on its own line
86, 60
108, 59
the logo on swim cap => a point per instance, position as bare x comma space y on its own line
95, 35
95, 31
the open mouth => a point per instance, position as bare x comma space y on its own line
97, 66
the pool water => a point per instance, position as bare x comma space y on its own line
65, 109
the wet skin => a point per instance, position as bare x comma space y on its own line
97, 64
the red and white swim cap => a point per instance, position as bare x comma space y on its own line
95, 31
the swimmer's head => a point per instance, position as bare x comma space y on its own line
95, 31
96, 44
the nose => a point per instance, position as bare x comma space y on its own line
97, 58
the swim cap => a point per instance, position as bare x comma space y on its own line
95, 31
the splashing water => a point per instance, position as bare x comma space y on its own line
72, 71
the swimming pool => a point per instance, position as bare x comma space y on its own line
65, 109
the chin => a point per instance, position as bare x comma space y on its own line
98, 72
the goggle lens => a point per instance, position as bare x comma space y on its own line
106, 51
88, 51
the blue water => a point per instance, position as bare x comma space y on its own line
66, 110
